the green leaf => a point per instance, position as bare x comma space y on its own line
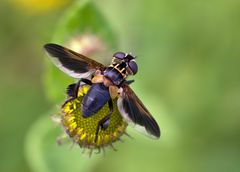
80, 19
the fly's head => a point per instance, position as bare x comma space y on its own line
125, 63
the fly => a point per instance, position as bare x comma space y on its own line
107, 83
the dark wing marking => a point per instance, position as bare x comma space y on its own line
132, 108
70, 62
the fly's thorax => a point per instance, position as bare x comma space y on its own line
121, 67
115, 75
107, 82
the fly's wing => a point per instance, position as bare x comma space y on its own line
70, 62
133, 110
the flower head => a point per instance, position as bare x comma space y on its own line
83, 130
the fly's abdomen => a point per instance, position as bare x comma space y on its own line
97, 96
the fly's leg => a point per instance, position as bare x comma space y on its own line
103, 123
86, 81
129, 82
72, 89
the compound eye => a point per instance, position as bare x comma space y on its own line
133, 66
119, 55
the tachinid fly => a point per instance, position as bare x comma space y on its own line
106, 84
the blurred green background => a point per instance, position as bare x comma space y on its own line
189, 67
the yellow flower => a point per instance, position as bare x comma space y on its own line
83, 130
39, 6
